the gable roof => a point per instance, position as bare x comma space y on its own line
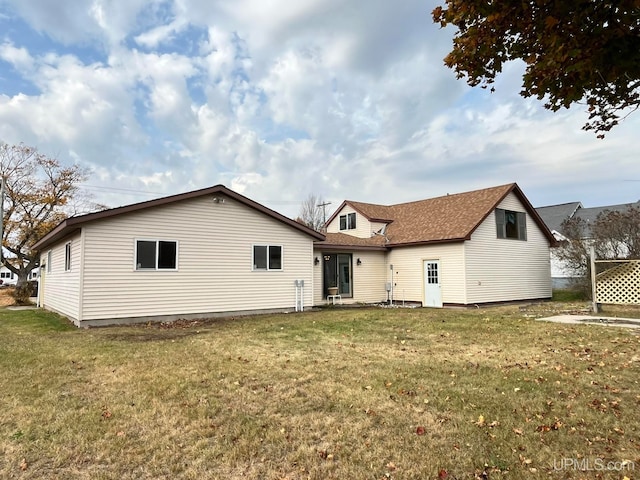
449, 218
73, 224
554, 215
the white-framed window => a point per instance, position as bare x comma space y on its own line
156, 255
267, 257
49, 261
348, 221
511, 224
67, 256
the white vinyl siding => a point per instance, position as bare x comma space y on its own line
215, 262
62, 289
504, 269
368, 278
408, 275
363, 226
376, 227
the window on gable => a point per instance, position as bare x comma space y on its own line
348, 221
156, 255
67, 257
511, 224
267, 257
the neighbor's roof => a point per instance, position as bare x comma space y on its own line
554, 215
448, 218
589, 215
73, 224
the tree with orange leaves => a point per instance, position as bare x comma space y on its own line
39, 193
575, 51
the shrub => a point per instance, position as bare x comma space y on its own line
22, 293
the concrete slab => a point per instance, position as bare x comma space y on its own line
594, 320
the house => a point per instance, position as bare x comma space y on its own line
7, 277
203, 253
470, 248
555, 215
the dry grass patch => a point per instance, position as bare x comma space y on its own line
6, 299
362, 393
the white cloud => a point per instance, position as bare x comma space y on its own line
19, 58
281, 99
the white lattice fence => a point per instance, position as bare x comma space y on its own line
619, 284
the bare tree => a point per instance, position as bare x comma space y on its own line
614, 235
312, 213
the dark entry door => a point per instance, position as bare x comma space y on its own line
337, 273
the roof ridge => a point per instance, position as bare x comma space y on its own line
449, 195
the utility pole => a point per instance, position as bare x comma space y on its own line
324, 211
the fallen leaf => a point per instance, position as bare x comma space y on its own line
23, 464
517, 431
420, 430
442, 474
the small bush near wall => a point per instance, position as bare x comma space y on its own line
568, 295
22, 293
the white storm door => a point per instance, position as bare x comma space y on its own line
432, 286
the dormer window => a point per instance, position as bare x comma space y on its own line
348, 221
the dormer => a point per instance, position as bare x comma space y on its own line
353, 218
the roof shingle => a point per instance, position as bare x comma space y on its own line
448, 218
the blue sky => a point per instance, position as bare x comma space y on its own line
278, 100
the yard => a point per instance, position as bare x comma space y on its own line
342, 393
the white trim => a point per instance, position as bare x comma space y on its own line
157, 252
67, 257
268, 246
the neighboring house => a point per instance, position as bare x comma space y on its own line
471, 248
555, 215
202, 253
7, 277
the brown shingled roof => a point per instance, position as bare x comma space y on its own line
448, 218
343, 240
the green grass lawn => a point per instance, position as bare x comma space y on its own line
341, 393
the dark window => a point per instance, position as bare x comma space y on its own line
167, 255
267, 257
511, 224
348, 221
275, 257
67, 257
260, 257
156, 255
